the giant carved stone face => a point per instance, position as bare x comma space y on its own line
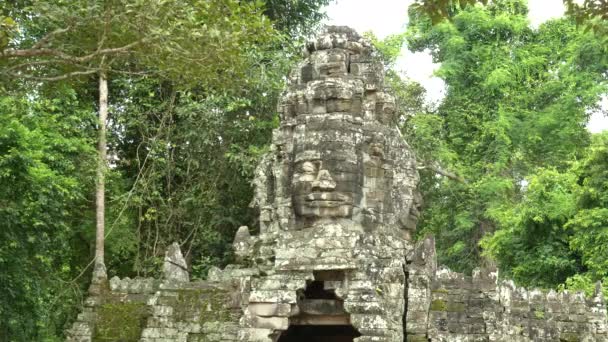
340, 171
324, 184
338, 156
316, 193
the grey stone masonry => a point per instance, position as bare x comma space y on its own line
334, 259
450, 306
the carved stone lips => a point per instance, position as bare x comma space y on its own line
327, 199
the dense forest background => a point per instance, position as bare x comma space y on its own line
510, 175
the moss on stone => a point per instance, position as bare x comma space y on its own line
456, 307
417, 338
439, 305
120, 322
203, 305
569, 337
442, 291
442, 305
539, 314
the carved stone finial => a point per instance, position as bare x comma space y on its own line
175, 268
242, 244
598, 292
99, 281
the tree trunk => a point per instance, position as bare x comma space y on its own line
99, 272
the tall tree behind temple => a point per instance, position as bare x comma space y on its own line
83, 38
592, 14
517, 100
559, 227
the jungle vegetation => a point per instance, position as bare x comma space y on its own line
510, 174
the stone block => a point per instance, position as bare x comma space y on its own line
270, 309
274, 323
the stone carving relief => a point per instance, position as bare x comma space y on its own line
337, 155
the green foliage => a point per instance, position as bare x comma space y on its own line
532, 248
188, 154
438, 10
194, 156
190, 42
7, 30
592, 15
516, 105
590, 224
389, 48
583, 282
296, 18
560, 226
46, 177
587, 12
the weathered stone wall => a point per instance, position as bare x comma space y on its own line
468, 309
167, 310
440, 305
149, 311
338, 202
482, 308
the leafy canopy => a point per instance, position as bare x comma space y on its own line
516, 104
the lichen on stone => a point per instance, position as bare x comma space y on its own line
120, 322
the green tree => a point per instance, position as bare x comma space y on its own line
297, 19
557, 233
532, 245
193, 152
439, 10
517, 102
589, 226
186, 41
47, 167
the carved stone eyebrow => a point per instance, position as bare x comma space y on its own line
314, 166
307, 156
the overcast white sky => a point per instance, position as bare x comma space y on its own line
384, 17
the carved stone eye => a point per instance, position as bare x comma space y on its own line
308, 167
376, 150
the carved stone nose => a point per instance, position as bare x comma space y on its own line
324, 181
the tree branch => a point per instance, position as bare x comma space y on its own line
42, 52
55, 78
38, 52
29, 64
437, 169
42, 42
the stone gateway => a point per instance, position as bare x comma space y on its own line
334, 259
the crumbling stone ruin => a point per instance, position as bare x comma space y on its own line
334, 259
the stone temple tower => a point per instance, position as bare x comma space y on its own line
338, 202
334, 259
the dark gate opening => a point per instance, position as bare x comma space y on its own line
322, 316
319, 333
